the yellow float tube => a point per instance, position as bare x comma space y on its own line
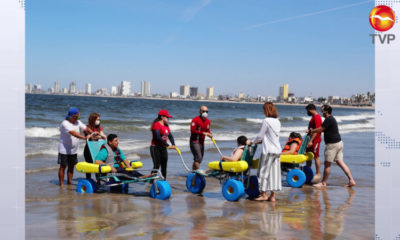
85, 167
239, 166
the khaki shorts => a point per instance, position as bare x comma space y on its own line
334, 152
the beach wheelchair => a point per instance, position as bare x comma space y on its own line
160, 188
234, 176
294, 166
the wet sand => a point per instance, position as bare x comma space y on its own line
306, 213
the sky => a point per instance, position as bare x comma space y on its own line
319, 48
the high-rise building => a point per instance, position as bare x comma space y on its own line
241, 95
145, 89
194, 91
114, 91
65, 90
88, 88
125, 88
210, 92
184, 90
284, 92
56, 87
28, 88
72, 88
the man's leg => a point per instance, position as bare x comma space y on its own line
317, 166
70, 172
61, 172
347, 171
195, 148
327, 171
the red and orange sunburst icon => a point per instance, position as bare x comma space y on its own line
382, 18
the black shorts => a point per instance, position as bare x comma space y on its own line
197, 151
67, 159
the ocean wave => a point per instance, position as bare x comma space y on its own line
43, 169
176, 128
343, 128
44, 132
357, 117
180, 121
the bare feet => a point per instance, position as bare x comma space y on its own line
261, 198
316, 178
320, 185
271, 199
351, 183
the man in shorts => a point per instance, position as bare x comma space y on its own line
71, 130
315, 140
199, 129
333, 147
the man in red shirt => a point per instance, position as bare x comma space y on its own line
199, 129
315, 141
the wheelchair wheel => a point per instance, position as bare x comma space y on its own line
252, 187
195, 183
296, 178
309, 174
163, 190
94, 185
232, 190
84, 186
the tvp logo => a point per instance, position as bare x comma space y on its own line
382, 18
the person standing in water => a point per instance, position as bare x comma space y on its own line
71, 130
95, 130
269, 169
315, 140
159, 146
199, 129
333, 147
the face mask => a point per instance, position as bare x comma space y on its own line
204, 114
309, 113
97, 122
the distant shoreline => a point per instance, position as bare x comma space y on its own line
205, 101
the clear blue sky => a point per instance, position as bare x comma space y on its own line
318, 47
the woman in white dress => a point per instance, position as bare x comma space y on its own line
269, 170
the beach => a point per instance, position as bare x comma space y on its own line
299, 213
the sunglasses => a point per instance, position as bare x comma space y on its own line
204, 111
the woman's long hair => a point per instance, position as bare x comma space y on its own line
270, 110
92, 120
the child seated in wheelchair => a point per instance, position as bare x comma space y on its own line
235, 156
292, 147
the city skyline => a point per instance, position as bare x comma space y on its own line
178, 43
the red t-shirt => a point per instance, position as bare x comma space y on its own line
314, 123
164, 132
197, 127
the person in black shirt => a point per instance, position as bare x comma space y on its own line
333, 147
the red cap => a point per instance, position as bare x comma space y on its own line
164, 112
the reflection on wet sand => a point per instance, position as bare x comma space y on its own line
198, 218
160, 226
303, 213
334, 217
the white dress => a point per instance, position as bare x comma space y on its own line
269, 170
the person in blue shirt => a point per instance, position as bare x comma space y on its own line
112, 156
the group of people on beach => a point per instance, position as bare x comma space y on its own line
269, 168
